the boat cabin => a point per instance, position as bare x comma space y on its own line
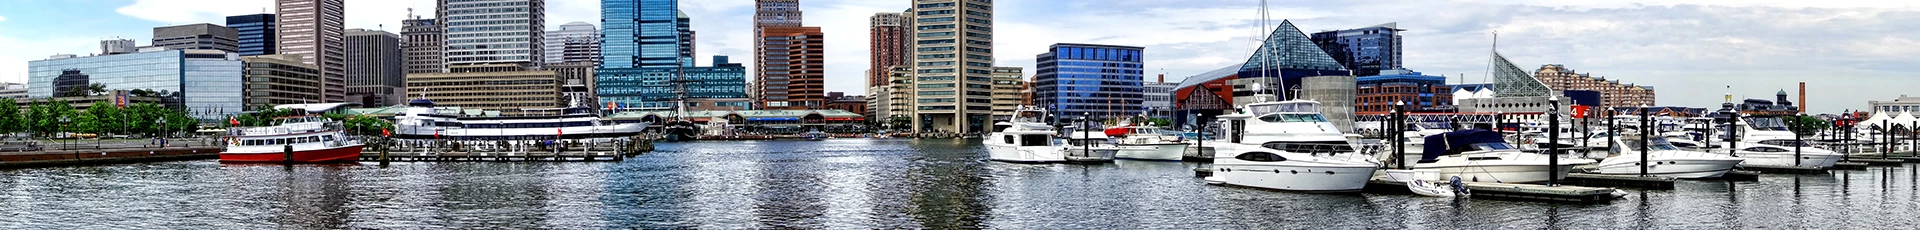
1462, 141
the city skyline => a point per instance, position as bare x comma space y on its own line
1690, 52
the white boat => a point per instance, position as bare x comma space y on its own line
1025, 139
299, 139
1147, 143
421, 121
1090, 147
1288, 146
1663, 159
1478, 155
1767, 141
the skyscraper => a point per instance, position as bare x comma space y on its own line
493, 31
374, 72
315, 30
792, 68
1367, 50
953, 64
887, 48
648, 46
769, 14
256, 33
425, 51
1007, 82
197, 36
574, 42
1102, 80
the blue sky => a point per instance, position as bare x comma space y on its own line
1848, 51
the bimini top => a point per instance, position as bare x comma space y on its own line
1456, 142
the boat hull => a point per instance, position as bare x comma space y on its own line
1090, 155
1672, 167
1299, 178
350, 153
1031, 154
1786, 159
1499, 173
1153, 152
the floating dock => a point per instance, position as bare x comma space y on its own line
1849, 166
1875, 162
1628, 181
493, 157
1775, 169
564, 152
1514, 192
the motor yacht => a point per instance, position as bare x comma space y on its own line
1290, 146
1147, 143
1092, 147
1478, 155
1663, 159
1025, 139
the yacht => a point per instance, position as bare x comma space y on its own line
420, 121
1147, 143
1765, 140
1025, 139
1666, 160
1090, 147
1290, 146
1478, 155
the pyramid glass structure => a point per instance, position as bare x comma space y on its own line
1511, 81
1288, 48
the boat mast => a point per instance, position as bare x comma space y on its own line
1266, 63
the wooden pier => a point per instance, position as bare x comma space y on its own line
53, 158
1875, 162
1849, 166
494, 157
1627, 181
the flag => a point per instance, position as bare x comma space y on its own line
384, 133
436, 134
558, 132
231, 120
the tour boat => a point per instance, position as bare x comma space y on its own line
814, 135
1024, 139
300, 139
420, 121
1146, 143
1663, 159
1478, 155
1289, 146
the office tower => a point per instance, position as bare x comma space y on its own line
1367, 50
256, 33
574, 42
279, 79
116, 46
315, 30
887, 47
1101, 80
953, 64
197, 36
1007, 83
493, 31
646, 43
507, 88
424, 47
206, 83
792, 68
374, 68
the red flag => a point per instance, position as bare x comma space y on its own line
557, 132
436, 134
383, 132
233, 121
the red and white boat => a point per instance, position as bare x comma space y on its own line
312, 139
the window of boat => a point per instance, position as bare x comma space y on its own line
1765, 149
1009, 139
1787, 143
1328, 147
326, 138
1655, 144
1293, 118
1684, 145
1491, 146
1767, 123
1035, 140
1084, 142
1260, 157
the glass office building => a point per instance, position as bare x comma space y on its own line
1368, 51
644, 33
655, 88
1102, 80
256, 33
208, 81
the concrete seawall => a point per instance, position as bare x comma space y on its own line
55, 158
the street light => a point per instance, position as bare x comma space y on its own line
63, 129
162, 130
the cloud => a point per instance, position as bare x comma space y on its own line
3, 18
193, 11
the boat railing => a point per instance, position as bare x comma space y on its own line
289, 128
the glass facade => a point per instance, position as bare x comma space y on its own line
493, 31
209, 84
1367, 51
644, 33
654, 87
1102, 80
1289, 56
256, 33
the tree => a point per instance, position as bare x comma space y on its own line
11, 120
107, 118
1806, 125
1160, 122
96, 89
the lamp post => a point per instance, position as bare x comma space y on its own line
161, 129
63, 129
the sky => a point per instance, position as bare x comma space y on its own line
1848, 51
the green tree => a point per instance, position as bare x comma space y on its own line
11, 119
106, 118
45, 116
1806, 125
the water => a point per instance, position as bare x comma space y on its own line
867, 184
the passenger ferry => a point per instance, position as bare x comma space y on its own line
297, 139
577, 122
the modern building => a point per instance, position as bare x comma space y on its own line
1514, 92
316, 31
1424, 93
1612, 92
197, 36
279, 79
642, 34
12, 90
256, 33
207, 82
953, 65
1101, 80
116, 46
1366, 50
576, 80
493, 31
1007, 83
894, 101
888, 46
574, 42
658, 88
508, 88
423, 48
376, 76
1896, 106
1157, 98
792, 69
1275, 71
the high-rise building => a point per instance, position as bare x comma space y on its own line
424, 47
770, 14
1367, 50
279, 79
207, 83
507, 88
316, 30
792, 68
887, 48
1612, 93
953, 64
197, 36
1007, 82
116, 46
256, 33
493, 31
1101, 80
576, 80
574, 42
659, 88
643, 41
375, 75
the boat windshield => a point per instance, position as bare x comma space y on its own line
1029, 116
1283, 107
1656, 144
1787, 143
1767, 123
1293, 117
1491, 146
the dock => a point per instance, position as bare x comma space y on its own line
1514, 192
1626, 181
506, 152
1777, 169
1875, 162
1849, 166
494, 157
56, 158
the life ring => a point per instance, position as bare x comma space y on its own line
233, 141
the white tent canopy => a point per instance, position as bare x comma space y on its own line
1878, 118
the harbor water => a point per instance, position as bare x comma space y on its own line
865, 184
